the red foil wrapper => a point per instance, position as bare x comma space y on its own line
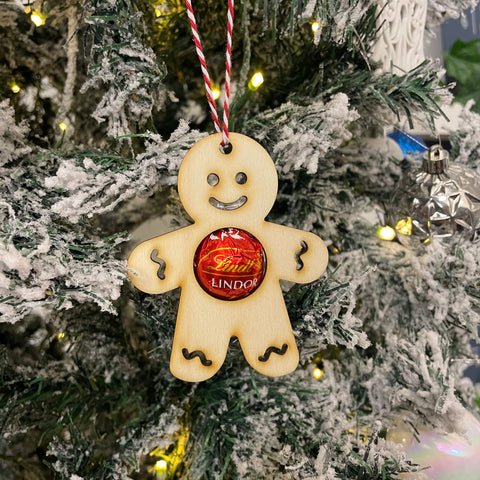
230, 264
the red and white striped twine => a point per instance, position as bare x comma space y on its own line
206, 77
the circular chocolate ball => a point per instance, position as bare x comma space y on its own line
230, 264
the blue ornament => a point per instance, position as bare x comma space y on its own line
410, 144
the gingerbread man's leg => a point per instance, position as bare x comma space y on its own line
201, 338
266, 335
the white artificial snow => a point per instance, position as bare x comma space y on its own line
93, 192
12, 259
4, 282
28, 99
466, 140
47, 90
43, 271
309, 9
192, 111
346, 14
70, 177
12, 144
89, 164
33, 275
441, 10
307, 133
132, 87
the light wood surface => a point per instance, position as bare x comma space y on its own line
206, 324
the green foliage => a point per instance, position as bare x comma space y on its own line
124, 67
463, 65
87, 400
220, 419
34, 59
29, 225
415, 90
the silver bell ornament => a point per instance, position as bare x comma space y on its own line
436, 201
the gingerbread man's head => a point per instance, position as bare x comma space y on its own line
224, 188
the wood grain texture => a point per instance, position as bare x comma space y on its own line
205, 323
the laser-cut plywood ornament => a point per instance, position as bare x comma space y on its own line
228, 263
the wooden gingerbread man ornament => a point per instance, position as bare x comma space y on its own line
228, 263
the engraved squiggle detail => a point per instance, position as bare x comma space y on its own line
300, 252
270, 350
161, 264
196, 353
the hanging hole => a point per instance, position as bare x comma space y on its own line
226, 149
212, 179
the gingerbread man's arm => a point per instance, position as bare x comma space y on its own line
296, 255
158, 265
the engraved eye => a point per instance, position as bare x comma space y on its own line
212, 179
241, 178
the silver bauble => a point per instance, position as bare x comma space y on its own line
436, 201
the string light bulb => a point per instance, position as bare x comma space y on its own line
216, 93
62, 126
404, 226
315, 27
255, 81
15, 88
386, 233
60, 335
161, 465
318, 373
37, 18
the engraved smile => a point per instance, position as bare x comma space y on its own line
239, 202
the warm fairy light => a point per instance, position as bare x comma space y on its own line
15, 88
404, 226
255, 81
318, 373
216, 93
63, 126
386, 233
161, 465
162, 9
315, 27
175, 456
60, 335
28, 10
37, 18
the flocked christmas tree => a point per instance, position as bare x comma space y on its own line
100, 102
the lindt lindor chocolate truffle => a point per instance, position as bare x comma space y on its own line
230, 264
